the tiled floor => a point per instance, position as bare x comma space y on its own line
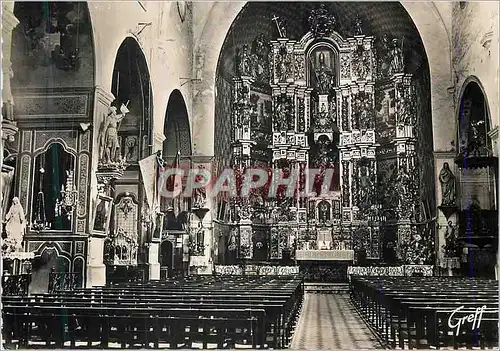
329, 321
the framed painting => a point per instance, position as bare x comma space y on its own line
158, 228
102, 215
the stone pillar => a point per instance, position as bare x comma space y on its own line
9, 22
96, 270
153, 264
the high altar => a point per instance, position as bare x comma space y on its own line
344, 106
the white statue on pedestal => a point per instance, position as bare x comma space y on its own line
15, 224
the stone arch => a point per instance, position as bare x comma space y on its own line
467, 84
131, 86
176, 127
432, 31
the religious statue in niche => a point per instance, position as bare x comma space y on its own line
15, 225
199, 194
396, 57
323, 71
109, 145
260, 52
283, 64
448, 186
366, 182
244, 62
361, 62
324, 152
363, 111
404, 193
476, 145
283, 114
324, 211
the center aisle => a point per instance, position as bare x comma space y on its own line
329, 321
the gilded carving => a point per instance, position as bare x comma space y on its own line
85, 141
80, 225
79, 247
53, 106
82, 187
68, 137
25, 179
26, 145
299, 67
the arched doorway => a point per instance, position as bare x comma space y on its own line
477, 186
289, 65
177, 152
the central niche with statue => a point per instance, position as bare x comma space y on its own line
340, 105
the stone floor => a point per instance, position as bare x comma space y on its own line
329, 321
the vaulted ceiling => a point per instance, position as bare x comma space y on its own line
378, 18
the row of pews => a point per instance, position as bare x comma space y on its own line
196, 312
429, 312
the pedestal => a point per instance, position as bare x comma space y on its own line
96, 270
153, 264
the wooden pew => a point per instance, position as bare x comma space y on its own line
407, 309
260, 311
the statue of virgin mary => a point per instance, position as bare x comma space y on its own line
15, 223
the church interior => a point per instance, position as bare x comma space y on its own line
383, 116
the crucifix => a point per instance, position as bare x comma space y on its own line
275, 19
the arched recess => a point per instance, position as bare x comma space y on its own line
427, 19
52, 46
384, 22
48, 258
131, 86
476, 186
176, 127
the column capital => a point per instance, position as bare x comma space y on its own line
103, 96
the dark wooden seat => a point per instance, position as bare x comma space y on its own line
414, 311
224, 312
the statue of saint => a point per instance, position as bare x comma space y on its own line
324, 211
108, 135
365, 188
447, 180
324, 75
396, 55
15, 223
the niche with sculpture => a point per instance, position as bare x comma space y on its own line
322, 71
54, 191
